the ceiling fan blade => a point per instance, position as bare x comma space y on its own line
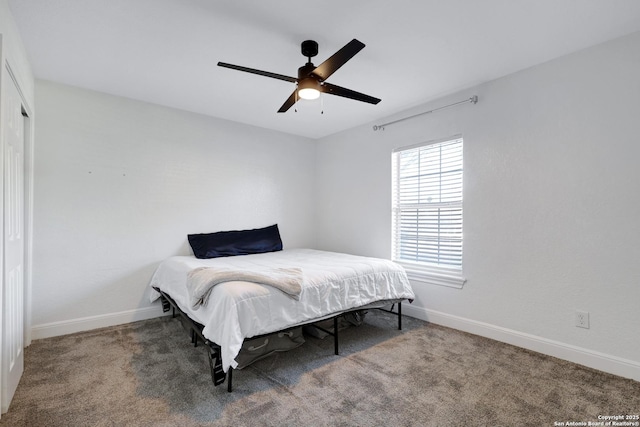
288, 103
348, 93
337, 60
258, 72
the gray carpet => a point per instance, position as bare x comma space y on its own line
148, 374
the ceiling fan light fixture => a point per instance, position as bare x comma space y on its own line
309, 93
309, 89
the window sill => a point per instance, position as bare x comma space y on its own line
433, 276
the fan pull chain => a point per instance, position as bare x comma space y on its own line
322, 103
295, 109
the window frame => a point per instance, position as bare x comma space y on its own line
424, 272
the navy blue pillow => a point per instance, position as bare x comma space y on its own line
231, 243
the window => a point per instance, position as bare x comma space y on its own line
427, 211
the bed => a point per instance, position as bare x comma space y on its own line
236, 310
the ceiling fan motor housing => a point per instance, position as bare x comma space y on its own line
305, 70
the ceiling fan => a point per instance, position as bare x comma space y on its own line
311, 79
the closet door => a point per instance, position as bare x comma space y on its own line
13, 245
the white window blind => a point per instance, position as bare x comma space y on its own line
427, 205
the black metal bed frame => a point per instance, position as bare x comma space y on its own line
218, 375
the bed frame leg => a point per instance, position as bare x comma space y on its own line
166, 306
335, 335
230, 380
215, 365
399, 316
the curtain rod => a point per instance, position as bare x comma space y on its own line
473, 100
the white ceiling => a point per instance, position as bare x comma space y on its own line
165, 51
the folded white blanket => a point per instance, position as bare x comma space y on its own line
201, 280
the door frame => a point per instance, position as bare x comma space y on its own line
7, 76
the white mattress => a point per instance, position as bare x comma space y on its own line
333, 283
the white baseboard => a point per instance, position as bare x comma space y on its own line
593, 359
71, 326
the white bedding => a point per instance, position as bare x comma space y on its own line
333, 282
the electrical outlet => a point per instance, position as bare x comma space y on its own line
582, 319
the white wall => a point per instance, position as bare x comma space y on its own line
551, 210
12, 51
119, 184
